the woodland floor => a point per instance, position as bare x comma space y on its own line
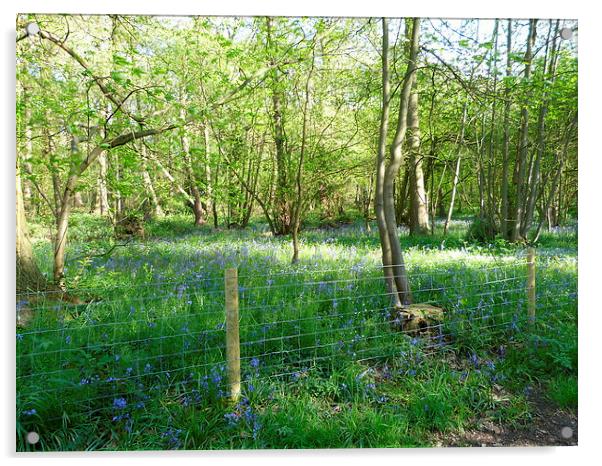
545, 429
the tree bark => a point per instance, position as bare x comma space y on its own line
517, 191
395, 163
457, 170
506, 144
155, 207
379, 209
28, 275
196, 205
535, 178
282, 217
296, 221
419, 220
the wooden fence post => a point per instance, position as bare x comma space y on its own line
232, 333
531, 283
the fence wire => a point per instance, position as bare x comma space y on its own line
122, 346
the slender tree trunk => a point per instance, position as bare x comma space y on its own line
102, 198
282, 217
419, 221
379, 209
196, 205
452, 201
155, 207
457, 170
516, 201
396, 161
506, 144
366, 198
299, 194
210, 201
491, 208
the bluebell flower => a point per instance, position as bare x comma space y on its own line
30, 412
474, 359
232, 418
254, 362
119, 403
19, 337
68, 339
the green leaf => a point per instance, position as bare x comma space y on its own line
137, 71
120, 61
118, 77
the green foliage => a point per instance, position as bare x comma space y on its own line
563, 390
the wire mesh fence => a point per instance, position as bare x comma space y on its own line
111, 350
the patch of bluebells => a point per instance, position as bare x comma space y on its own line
172, 438
243, 414
194, 398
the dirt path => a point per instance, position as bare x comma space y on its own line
550, 426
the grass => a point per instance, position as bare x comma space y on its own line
141, 365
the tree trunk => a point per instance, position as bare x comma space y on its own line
29, 277
102, 198
457, 170
379, 209
196, 204
534, 179
419, 221
517, 191
299, 194
210, 202
282, 217
155, 207
506, 144
396, 161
